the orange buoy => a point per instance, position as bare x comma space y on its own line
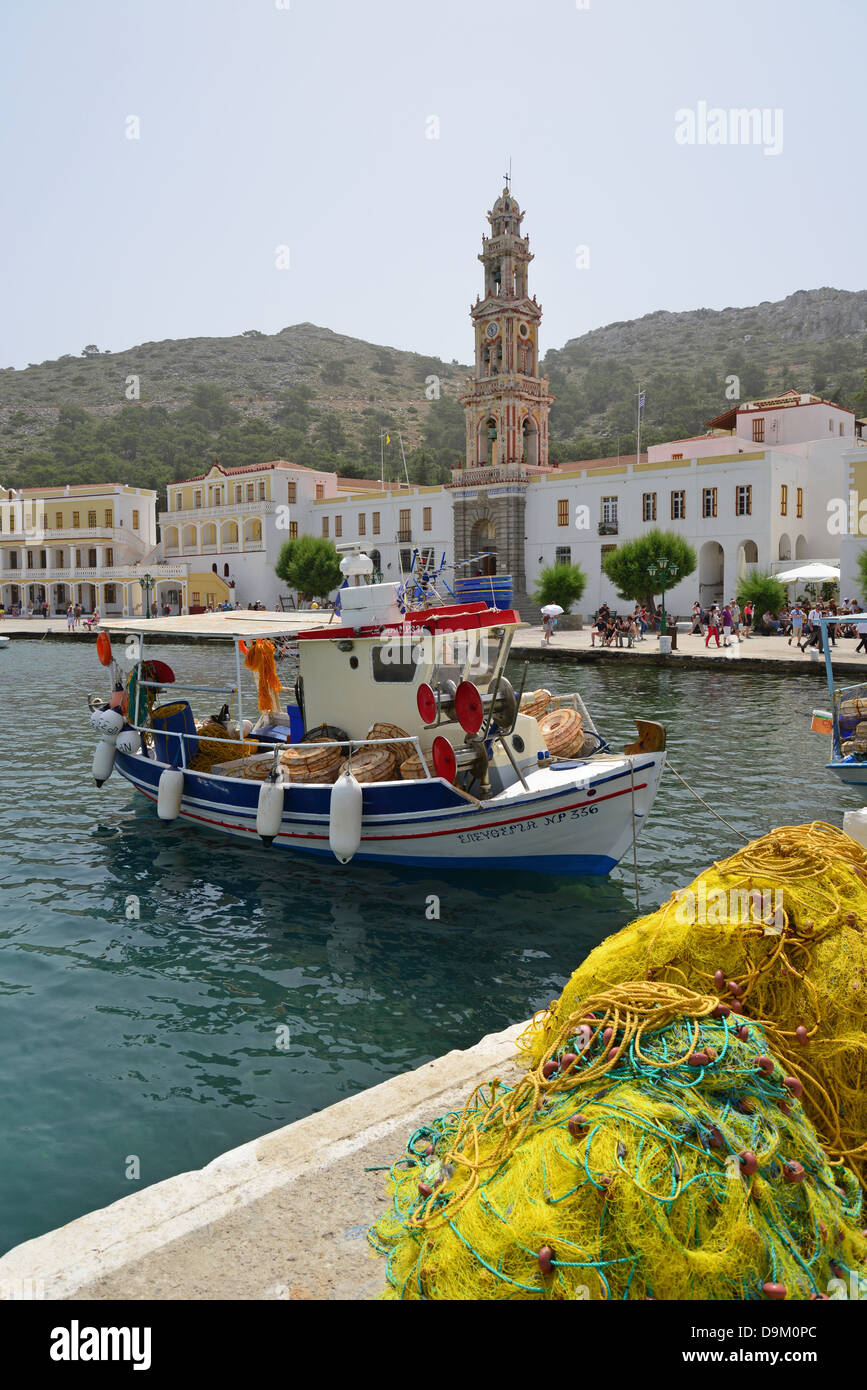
103, 648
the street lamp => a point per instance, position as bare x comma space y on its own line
666, 571
147, 582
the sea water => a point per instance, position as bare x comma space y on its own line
167, 994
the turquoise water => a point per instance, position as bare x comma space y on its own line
155, 1035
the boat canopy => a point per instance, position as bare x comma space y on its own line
241, 623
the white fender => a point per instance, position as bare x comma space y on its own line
855, 825
171, 789
344, 830
129, 741
107, 722
103, 761
269, 812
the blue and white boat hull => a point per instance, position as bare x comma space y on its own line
575, 817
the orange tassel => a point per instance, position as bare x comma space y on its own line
260, 659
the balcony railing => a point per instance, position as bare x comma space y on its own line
257, 507
404, 536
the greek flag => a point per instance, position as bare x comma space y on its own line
641, 400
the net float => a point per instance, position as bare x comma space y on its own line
711, 1053
719, 978
748, 1161
786, 1109
743, 1032
774, 1291
802, 1035
567, 1060
550, 1068
584, 1036
734, 988
794, 1171
765, 1064
795, 1085
546, 1261
715, 1139
607, 1035
722, 1011
820, 1297
613, 1054
425, 1189
578, 1125
698, 1059
743, 1107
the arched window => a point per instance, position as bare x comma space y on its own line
226, 571
214, 568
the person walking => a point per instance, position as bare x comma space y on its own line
736, 617
861, 629
797, 626
712, 625
727, 624
697, 624
748, 619
548, 625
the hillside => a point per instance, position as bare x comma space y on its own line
322, 399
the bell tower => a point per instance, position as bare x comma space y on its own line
506, 404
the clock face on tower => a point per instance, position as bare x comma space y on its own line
493, 330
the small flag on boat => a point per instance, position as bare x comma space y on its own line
823, 722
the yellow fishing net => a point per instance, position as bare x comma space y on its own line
778, 931
656, 1150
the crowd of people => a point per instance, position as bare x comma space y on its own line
729, 623
624, 630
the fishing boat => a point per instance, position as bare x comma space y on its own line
846, 719
404, 742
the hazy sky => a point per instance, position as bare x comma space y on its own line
305, 124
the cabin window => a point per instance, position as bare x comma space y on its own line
394, 663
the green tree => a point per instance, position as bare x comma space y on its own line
562, 584
311, 565
862, 572
628, 566
764, 591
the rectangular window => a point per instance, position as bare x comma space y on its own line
648, 506
325, 526
744, 500
405, 561
759, 431
75, 521
784, 500
376, 523
251, 493
179, 501
78, 559
91, 518
109, 556
678, 505
609, 511
239, 493
110, 595
91, 559
293, 494
262, 490
563, 511
109, 517
708, 501
338, 526
831, 426
404, 530
427, 519
393, 667
799, 502
563, 555
841, 429
135, 521
30, 559
320, 491
293, 530
362, 523
43, 562
58, 521
606, 550
676, 456
197, 497
196, 598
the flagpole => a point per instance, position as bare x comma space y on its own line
381, 460
638, 448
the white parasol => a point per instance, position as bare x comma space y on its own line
552, 610
813, 572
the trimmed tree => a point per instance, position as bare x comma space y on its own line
764, 591
862, 555
311, 565
628, 567
561, 584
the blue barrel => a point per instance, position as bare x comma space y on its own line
496, 590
